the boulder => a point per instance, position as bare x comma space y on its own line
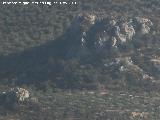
15, 95
144, 24
125, 32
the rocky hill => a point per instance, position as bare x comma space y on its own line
94, 51
100, 60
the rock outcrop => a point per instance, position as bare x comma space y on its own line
21, 93
125, 65
156, 63
15, 95
144, 24
106, 29
116, 35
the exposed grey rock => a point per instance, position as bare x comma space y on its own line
16, 95
113, 30
125, 65
145, 29
130, 66
125, 32
83, 42
112, 22
87, 20
156, 63
114, 40
21, 93
144, 24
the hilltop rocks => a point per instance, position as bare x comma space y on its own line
124, 32
113, 32
116, 42
113, 37
87, 19
90, 18
144, 24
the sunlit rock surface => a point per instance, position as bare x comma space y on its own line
15, 95
144, 24
108, 31
156, 63
115, 38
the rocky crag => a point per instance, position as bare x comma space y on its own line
117, 39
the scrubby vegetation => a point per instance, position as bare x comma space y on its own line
39, 52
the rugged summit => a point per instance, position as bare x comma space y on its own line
116, 31
117, 41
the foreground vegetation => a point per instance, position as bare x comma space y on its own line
87, 105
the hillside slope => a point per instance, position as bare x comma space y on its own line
96, 60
